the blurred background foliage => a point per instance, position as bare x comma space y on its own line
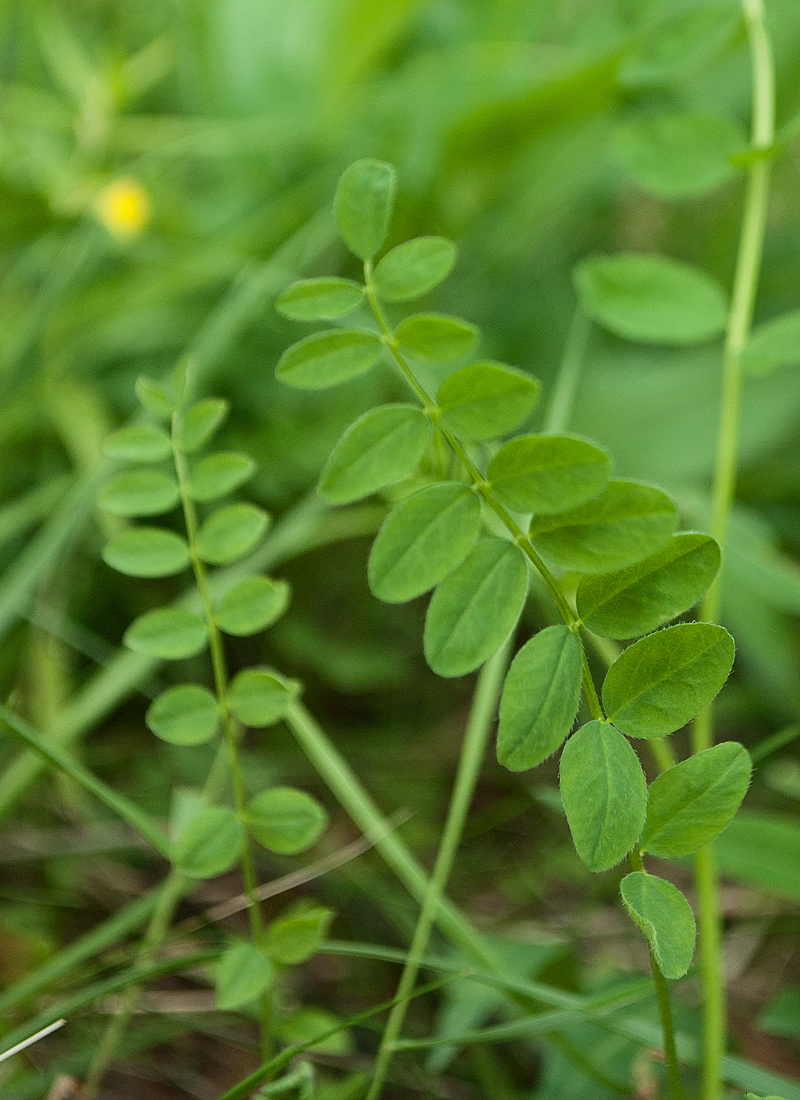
165, 169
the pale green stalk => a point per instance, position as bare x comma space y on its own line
559, 412
479, 726
745, 284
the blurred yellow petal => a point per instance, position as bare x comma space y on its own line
123, 207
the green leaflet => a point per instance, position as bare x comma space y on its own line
319, 299
422, 540
652, 299
773, 344
434, 337
540, 698
295, 937
663, 680
230, 532
548, 473
285, 820
138, 443
762, 850
626, 523
644, 596
154, 398
381, 447
167, 633
139, 493
241, 975
328, 358
665, 917
413, 268
486, 399
681, 154
184, 715
259, 697
251, 605
679, 44
475, 608
216, 475
604, 792
197, 425
363, 205
692, 803
147, 552
209, 844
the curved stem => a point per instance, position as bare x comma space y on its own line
745, 285
469, 765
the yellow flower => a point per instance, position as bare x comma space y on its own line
123, 207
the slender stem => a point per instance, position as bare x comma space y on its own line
482, 486
220, 671
469, 765
745, 285
560, 410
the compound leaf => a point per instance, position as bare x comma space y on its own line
218, 474
656, 685
548, 473
197, 425
138, 443
540, 698
328, 358
167, 633
475, 608
259, 697
184, 715
434, 337
147, 552
422, 540
252, 605
692, 803
209, 844
363, 205
381, 447
241, 975
665, 917
285, 820
644, 596
413, 268
486, 399
604, 793
230, 532
319, 299
139, 493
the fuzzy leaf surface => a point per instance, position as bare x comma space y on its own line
210, 844
147, 552
328, 358
363, 205
540, 698
216, 475
651, 299
138, 443
259, 697
644, 596
319, 299
665, 917
627, 522
381, 447
414, 267
422, 540
435, 337
184, 715
251, 605
475, 608
604, 793
548, 473
230, 533
241, 975
662, 681
692, 803
139, 493
285, 820
486, 399
168, 633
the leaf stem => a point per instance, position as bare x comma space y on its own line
563, 398
745, 285
479, 726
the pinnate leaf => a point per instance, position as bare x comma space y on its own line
625, 523
644, 596
199, 422
138, 443
652, 299
665, 917
540, 698
147, 552
184, 715
285, 820
604, 792
259, 697
486, 399
692, 803
548, 473
319, 299
773, 344
139, 493
475, 608
210, 843
293, 938
242, 974
422, 540
363, 205
168, 633
381, 447
328, 358
218, 474
413, 268
656, 685
230, 532
252, 605
434, 337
